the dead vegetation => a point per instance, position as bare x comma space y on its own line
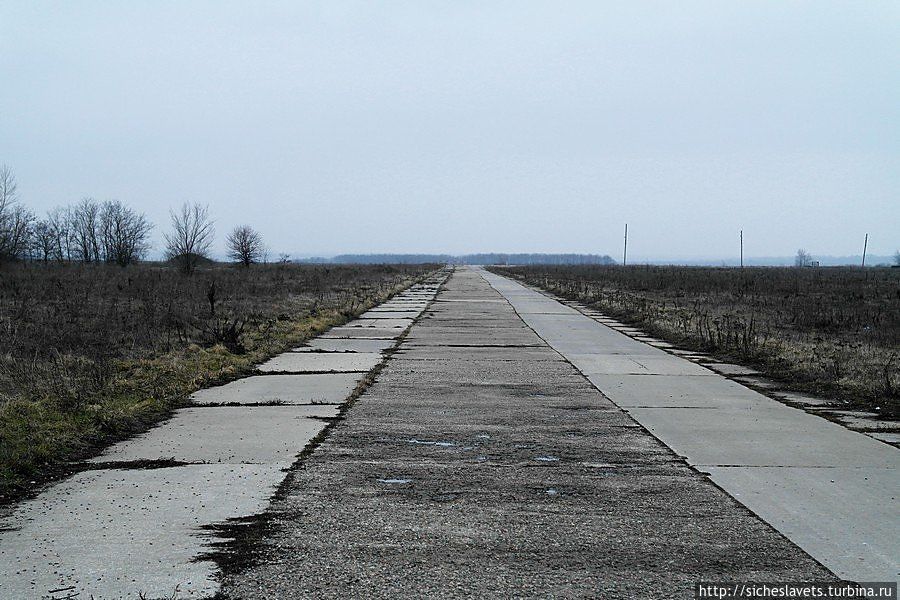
828, 331
91, 352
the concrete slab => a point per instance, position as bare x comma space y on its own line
506, 338
409, 305
600, 364
500, 301
862, 546
475, 353
673, 391
361, 323
361, 332
228, 434
528, 305
120, 533
381, 323
347, 345
390, 314
775, 435
331, 388
322, 362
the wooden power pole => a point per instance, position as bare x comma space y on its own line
742, 248
625, 250
865, 246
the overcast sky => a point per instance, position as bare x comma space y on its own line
468, 126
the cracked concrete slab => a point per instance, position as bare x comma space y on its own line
227, 434
328, 388
346, 345
312, 362
474, 353
119, 533
390, 314
362, 332
381, 323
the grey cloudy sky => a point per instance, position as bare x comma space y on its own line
469, 126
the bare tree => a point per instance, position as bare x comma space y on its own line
803, 258
8, 189
191, 236
123, 233
44, 241
245, 245
85, 226
16, 221
59, 220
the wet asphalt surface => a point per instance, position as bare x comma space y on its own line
481, 463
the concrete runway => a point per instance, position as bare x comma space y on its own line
482, 463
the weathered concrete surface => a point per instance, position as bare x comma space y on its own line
381, 323
652, 391
390, 314
476, 470
321, 362
227, 434
347, 345
324, 388
116, 533
134, 522
830, 490
361, 332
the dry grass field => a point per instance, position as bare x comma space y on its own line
829, 331
92, 352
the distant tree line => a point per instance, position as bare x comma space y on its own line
471, 259
91, 231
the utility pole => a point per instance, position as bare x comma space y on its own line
865, 246
625, 250
742, 248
